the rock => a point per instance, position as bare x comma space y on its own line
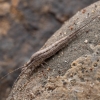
4, 8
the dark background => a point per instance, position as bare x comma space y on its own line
25, 25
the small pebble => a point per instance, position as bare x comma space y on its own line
86, 41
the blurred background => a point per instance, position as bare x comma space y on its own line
25, 25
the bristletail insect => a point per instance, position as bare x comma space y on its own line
49, 51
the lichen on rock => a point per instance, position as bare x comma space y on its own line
81, 81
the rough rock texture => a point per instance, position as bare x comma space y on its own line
80, 82
56, 79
